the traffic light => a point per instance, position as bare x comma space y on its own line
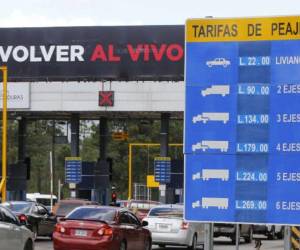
114, 197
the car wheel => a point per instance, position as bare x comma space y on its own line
271, 234
249, 237
194, 243
148, 245
162, 245
28, 245
123, 245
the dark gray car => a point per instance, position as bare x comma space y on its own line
39, 220
13, 235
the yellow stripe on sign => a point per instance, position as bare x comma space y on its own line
295, 243
243, 29
72, 158
162, 158
296, 231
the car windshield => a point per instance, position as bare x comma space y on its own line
65, 208
166, 212
20, 207
84, 213
141, 205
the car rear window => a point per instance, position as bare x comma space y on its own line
65, 208
20, 207
166, 212
84, 213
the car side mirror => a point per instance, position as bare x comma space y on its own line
145, 223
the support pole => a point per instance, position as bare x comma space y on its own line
164, 146
208, 236
103, 138
129, 171
75, 135
4, 135
237, 237
51, 180
74, 146
22, 127
287, 238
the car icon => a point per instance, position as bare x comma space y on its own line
218, 62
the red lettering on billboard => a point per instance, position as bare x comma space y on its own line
174, 57
111, 56
158, 53
134, 52
98, 54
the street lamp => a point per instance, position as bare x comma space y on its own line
4, 134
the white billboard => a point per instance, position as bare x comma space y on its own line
18, 95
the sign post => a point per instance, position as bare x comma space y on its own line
4, 135
242, 120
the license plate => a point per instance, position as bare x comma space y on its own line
164, 227
82, 233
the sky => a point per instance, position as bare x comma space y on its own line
39, 13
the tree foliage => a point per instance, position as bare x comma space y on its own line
40, 143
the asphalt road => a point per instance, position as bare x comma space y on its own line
219, 244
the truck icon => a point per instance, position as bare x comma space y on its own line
220, 203
218, 62
208, 174
204, 117
204, 145
206, 202
222, 90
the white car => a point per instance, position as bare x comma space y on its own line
13, 235
218, 62
168, 227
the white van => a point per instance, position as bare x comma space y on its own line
44, 199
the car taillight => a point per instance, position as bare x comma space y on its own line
184, 225
105, 231
60, 229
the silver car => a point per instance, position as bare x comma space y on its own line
13, 235
168, 227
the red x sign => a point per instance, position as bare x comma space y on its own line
106, 98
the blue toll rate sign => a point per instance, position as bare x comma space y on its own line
73, 170
242, 120
162, 169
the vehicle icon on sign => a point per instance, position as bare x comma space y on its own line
218, 62
207, 174
204, 145
222, 90
204, 117
206, 202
